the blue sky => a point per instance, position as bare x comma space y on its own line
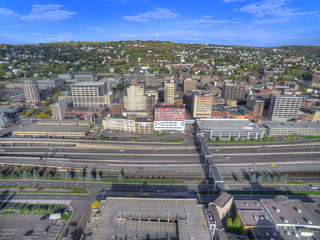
236, 22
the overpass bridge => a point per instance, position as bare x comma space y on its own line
214, 172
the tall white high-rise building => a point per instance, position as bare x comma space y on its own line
31, 91
135, 100
283, 108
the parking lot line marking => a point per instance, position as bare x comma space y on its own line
11, 217
3, 217
15, 217
5, 234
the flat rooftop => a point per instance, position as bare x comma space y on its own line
52, 129
88, 84
130, 218
228, 125
182, 106
292, 125
8, 109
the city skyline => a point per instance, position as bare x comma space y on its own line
262, 23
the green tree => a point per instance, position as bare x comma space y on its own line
145, 195
269, 179
63, 176
285, 179
239, 179
259, 179
237, 222
98, 177
117, 70
101, 138
275, 179
253, 178
35, 174
120, 86
202, 72
67, 176
80, 175
25, 175
89, 176
120, 177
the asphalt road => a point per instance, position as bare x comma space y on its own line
291, 157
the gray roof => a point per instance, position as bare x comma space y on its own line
294, 212
8, 109
120, 218
228, 125
50, 129
292, 125
266, 233
223, 199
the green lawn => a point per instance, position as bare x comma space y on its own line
179, 139
309, 136
41, 189
144, 181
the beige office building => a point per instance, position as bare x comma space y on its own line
87, 101
31, 91
135, 100
201, 106
169, 92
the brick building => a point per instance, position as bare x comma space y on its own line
169, 112
116, 108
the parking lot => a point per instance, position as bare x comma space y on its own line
27, 226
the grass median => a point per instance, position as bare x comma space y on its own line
43, 189
283, 192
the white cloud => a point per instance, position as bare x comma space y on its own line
205, 22
169, 35
8, 12
97, 29
157, 13
48, 12
277, 8
229, 1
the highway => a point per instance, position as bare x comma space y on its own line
148, 158
155, 158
